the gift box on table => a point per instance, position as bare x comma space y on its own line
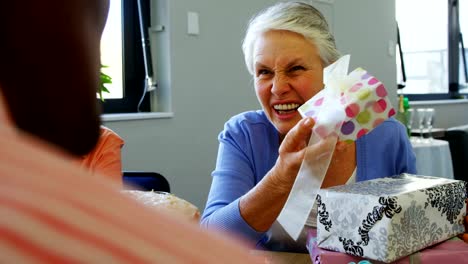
389, 218
449, 251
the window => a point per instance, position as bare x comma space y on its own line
463, 73
432, 54
111, 50
122, 53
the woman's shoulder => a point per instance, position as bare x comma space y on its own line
390, 125
248, 120
249, 124
389, 130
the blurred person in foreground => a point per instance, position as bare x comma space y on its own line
51, 210
286, 48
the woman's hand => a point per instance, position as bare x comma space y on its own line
294, 148
261, 206
465, 235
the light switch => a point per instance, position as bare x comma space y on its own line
391, 48
192, 23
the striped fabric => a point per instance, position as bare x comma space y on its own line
53, 211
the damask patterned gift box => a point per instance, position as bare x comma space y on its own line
450, 251
390, 218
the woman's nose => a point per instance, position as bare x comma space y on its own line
280, 85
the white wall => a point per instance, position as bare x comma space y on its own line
209, 82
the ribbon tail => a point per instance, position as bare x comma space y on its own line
301, 199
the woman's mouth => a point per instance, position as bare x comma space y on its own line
284, 109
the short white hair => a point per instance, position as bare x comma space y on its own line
296, 17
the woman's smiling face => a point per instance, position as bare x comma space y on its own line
288, 71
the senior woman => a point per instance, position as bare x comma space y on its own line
286, 48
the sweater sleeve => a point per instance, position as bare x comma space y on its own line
406, 159
385, 151
233, 177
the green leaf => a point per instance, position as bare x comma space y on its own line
104, 89
104, 79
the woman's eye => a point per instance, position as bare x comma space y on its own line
297, 68
262, 72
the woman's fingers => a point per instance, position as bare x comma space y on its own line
321, 150
341, 145
466, 220
298, 137
464, 237
466, 224
295, 146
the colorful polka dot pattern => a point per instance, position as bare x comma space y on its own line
364, 102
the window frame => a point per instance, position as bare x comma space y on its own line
133, 64
453, 50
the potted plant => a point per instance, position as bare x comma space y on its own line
104, 80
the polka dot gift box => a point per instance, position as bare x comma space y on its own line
350, 105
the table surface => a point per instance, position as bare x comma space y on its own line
272, 257
418, 143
